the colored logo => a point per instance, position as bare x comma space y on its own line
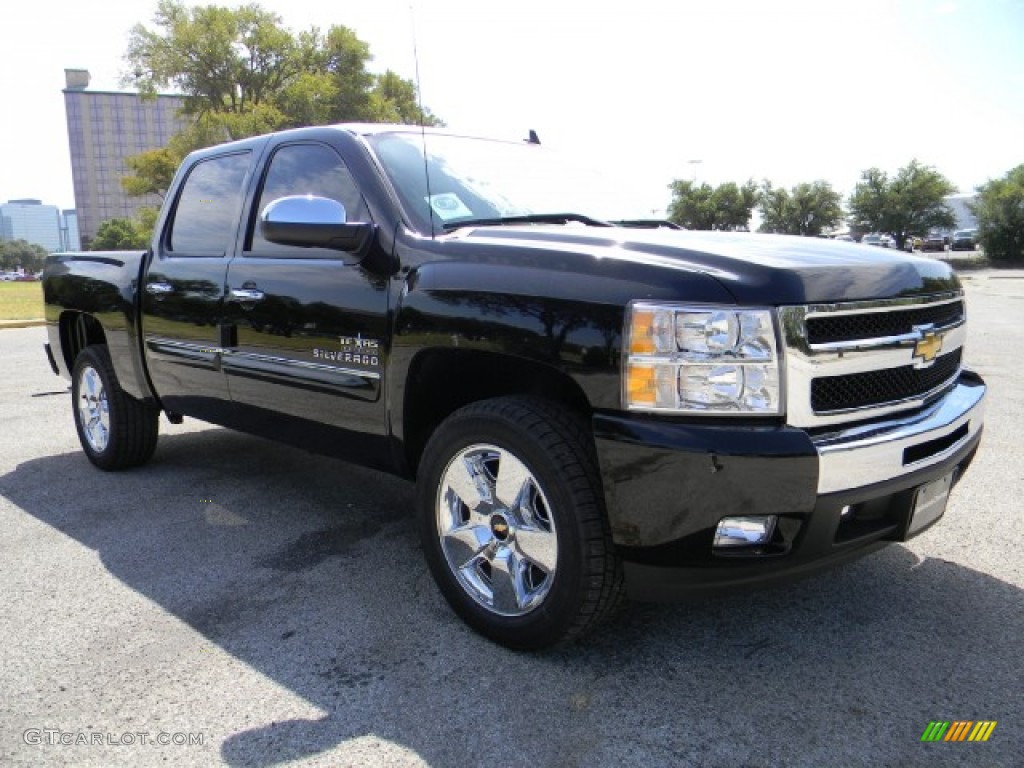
928, 347
958, 730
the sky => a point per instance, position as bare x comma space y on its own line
716, 90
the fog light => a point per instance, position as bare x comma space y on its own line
748, 531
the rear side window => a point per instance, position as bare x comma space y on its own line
305, 169
210, 203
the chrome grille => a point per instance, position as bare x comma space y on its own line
875, 325
863, 390
861, 360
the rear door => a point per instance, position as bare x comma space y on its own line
310, 322
183, 290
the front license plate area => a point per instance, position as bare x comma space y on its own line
929, 504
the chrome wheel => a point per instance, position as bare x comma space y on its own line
496, 530
93, 410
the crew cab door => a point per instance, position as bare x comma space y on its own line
183, 288
311, 323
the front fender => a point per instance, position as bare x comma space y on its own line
519, 312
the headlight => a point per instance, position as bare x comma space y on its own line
701, 360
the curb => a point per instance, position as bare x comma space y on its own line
21, 323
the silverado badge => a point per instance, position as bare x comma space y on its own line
353, 349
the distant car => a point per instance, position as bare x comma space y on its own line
8, 277
933, 243
964, 240
882, 241
912, 243
844, 238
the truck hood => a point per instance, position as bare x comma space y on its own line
754, 268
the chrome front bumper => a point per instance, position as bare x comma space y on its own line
886, 450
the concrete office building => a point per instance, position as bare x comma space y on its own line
104, 128
33, 222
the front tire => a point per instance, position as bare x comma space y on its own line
512, 521
116, 430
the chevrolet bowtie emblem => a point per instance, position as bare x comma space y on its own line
928, 347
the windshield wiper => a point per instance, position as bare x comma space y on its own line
647, 224
531, 218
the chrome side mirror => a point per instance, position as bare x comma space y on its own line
309, 221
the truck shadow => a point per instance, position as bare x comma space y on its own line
309, 571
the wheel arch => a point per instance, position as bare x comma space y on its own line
441, 381
77, 331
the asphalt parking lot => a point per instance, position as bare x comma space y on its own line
256, 605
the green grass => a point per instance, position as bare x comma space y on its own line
21, 301
966, 263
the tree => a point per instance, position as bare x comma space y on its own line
393, 100
242, 73
145, 221
335, 78
223, 60
807, 209
1000, 212
21, 253
119, 235
152, 171
910, 203
726, 207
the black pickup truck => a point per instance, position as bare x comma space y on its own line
591, 406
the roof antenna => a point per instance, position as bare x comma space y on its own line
534, 138
423, 130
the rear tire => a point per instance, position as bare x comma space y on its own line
116, 430
512, 522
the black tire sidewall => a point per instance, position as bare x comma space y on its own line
547, 623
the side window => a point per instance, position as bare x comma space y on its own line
305, 169
210, 203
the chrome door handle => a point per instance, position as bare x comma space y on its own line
246, 295
159, 289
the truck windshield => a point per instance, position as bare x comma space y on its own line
481, 179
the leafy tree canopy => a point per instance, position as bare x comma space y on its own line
726, 207
1000, 212
242, 73
119, 235
806, 209
21, 253
911, 203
